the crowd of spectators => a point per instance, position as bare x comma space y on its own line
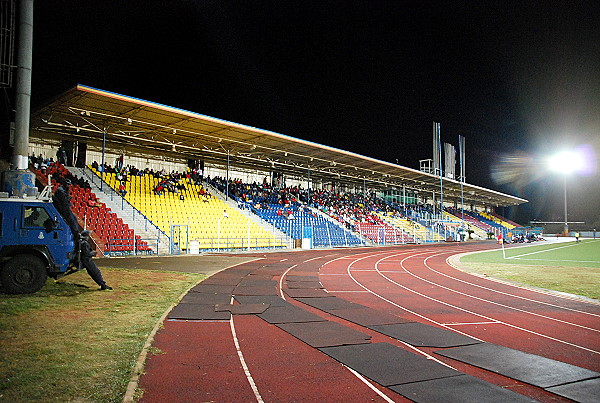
168, 182
47, 166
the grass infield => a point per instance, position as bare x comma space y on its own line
566, 267
71, 342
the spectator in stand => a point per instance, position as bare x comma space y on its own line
122, 190
61, 155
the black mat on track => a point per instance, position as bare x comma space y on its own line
583, 392
205, 298
257, 290
421, 335
256, 282
272, 300
197, 312
294, 278
288, 314
459, 389
387, 364
304, 284
214, 288
515, 364
241, 309
324, 334
366, 316
233, 281
328, 303
307, 293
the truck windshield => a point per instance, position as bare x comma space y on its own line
35, 216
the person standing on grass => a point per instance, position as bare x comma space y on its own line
87, 262
577, 237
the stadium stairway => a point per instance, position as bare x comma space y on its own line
206, 223
506, 220
246, 210
147, 231
418, 232
478, 232
327, 232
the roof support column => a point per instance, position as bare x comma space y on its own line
227, 179
308, 186
103, 156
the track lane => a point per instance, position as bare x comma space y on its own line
563, 325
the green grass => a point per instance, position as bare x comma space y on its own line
71, 342
566, 267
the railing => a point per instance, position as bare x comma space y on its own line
215, 244
131, 246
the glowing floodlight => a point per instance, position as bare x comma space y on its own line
566, 162
581, 160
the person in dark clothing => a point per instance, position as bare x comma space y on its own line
86, 254
62, 201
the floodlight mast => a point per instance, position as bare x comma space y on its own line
566, 227
565, 163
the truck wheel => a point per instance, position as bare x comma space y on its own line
23, 274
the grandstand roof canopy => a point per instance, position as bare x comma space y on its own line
146, 128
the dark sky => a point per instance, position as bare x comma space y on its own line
518, 81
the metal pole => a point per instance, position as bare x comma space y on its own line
227, 180
308, 186
441, 171
566, 229
462, 181
103, 152
23, 87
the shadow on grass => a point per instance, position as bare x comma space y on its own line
53, 288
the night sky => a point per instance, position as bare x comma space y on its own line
518, 81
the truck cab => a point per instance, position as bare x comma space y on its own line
35, 243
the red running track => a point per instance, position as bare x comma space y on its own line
248, 359
419, 284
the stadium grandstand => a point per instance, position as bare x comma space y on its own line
153, 179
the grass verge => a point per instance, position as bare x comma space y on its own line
571, 268
71, 342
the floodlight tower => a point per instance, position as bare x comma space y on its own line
565, 163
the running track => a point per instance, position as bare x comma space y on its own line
243, 357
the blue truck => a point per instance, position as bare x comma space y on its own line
35, 243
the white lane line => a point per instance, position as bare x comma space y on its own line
243, 362
290, 268
483, 316
495, 280
493, 302
495, 322
369, 384
542, 251
356, 291
428, 356
359, 376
